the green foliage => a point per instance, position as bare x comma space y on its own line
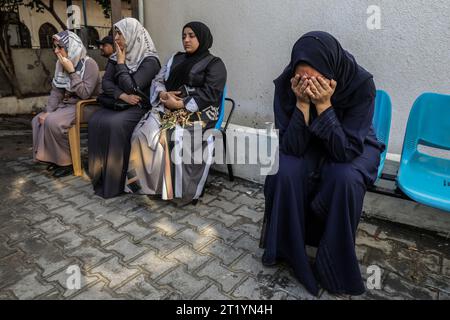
106, 6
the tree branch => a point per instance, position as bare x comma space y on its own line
51, 9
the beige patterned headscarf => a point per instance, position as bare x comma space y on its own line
139, 44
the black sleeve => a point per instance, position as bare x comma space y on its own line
109, 86
345, 139
143, 76
293, 132
211, 91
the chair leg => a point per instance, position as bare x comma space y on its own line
230, 172
203, 191
74, 142
195, 201
229, 166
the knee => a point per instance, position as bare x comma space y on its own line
94, 119
112, 123
139, 135
53, 124
342, 174
35, 121
291, 167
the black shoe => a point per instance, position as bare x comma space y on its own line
268, 262
52, 167
63, 172
86, 166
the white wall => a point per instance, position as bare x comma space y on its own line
410, 54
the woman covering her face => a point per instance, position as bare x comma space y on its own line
185, 95
76, 78
329, 154
127, 79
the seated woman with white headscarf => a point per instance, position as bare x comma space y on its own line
76, 78
127, 79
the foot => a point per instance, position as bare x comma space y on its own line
40, 165
86, 166
63, 172
266, 262
181, 203
52, 167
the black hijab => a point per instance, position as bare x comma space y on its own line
179, 74
325, 54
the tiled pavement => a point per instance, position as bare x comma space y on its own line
133, 247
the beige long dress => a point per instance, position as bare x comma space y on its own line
50, 140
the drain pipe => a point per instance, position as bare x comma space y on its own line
141, 12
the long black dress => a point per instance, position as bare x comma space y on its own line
316, 197
110, 131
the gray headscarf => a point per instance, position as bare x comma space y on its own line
139, 44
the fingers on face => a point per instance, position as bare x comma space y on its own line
324, 83
333, 84
299, 84
317, 86
297, 80
304, 86
294, 83
309, 92
312, 87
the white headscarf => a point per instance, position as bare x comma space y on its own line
139, 44
76, 53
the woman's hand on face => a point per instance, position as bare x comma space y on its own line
299, 86
320, 91
66, 63
130, 98
121, 54
42, 117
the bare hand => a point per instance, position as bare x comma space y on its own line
66, 63
121, 54
165, 95
42, 117
171, 101
130, 99
299, 86
320, 91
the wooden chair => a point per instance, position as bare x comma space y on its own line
84, 110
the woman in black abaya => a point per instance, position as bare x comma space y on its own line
329, 154
128, 74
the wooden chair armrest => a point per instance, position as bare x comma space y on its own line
79, 109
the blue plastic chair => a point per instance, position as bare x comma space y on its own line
382, 123
425, 178
223, 130
222, 109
